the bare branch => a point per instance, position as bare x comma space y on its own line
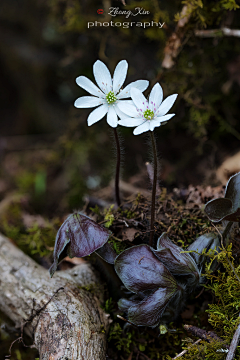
184, 351
174, 43
234, 344
203, 334
63, 324
217, 32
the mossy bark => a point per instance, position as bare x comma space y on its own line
64, 319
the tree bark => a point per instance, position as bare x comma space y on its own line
62, 314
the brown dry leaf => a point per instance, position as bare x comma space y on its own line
69, 263
75, 260
30, 220
129, 234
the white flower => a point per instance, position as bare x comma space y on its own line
146, 115
110, 94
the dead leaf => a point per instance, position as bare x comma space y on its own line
31, 220
75, 260
129, 234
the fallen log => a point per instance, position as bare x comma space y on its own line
62, 315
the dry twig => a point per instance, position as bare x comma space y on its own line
203, 334
174, 43
217, 32
184, 351
234, 344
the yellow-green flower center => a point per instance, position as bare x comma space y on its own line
110, 97
148, 114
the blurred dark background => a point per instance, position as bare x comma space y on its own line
47, 149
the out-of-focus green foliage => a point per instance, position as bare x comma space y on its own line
206, 12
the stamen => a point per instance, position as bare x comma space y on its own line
148, 114
110, 97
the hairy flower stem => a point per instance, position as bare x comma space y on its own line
117, 175
154, 147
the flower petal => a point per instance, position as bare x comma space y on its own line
142, 128
148, 312
89, 86
119, 75
164, 118
128, 107
140, 270
130, 122
139, 84
153, 124
119, 112
97, 114
139, 99
166, 105
88, 102
102, 76
156, 97
112, 117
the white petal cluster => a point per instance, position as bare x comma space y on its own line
108, 96
144, 114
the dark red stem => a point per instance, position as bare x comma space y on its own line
117, 175
154, 147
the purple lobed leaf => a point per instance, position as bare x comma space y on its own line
140, 270
177, 262
107, 253
227, 208
149, 311
125, 304
203, 242
218, 209
78, 236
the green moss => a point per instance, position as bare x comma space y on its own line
108, 306
118, 246
206, 12
109, 216
34, 240
39, 240
206, 351
127, 339
224, 312
92, 288
129, 214
123, 342
96, 210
